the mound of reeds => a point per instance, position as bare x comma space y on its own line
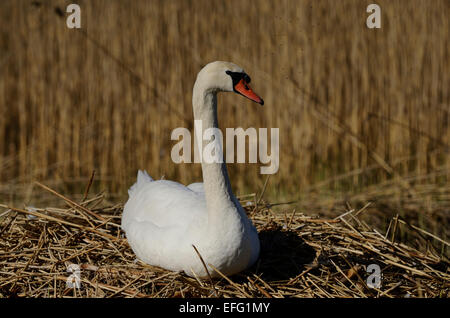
44, 251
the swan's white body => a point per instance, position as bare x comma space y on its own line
163, 219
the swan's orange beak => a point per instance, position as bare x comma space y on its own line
242, 88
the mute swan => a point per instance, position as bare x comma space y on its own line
163, 219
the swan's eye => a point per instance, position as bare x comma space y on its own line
237, 76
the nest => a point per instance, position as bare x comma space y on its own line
80, 251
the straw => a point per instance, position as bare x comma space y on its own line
301, 256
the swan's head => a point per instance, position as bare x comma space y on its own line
227, 77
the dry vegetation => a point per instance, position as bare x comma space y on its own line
363, 118
301, 256
369, 104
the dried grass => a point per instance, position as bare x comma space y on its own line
301, 256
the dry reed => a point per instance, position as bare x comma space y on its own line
373, 103
301, 256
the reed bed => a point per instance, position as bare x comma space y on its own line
301, 256
107, 96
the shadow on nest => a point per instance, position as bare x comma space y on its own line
283, 255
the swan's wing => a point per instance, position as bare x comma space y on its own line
197, 187
161, 220
154, 245
166, 204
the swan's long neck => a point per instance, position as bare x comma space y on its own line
219, 196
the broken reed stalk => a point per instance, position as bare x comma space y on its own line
86, 192
230, 281
70, 202
51, 218
206, 268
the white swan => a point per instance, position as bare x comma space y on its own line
163, 219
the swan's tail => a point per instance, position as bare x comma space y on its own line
142, 178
